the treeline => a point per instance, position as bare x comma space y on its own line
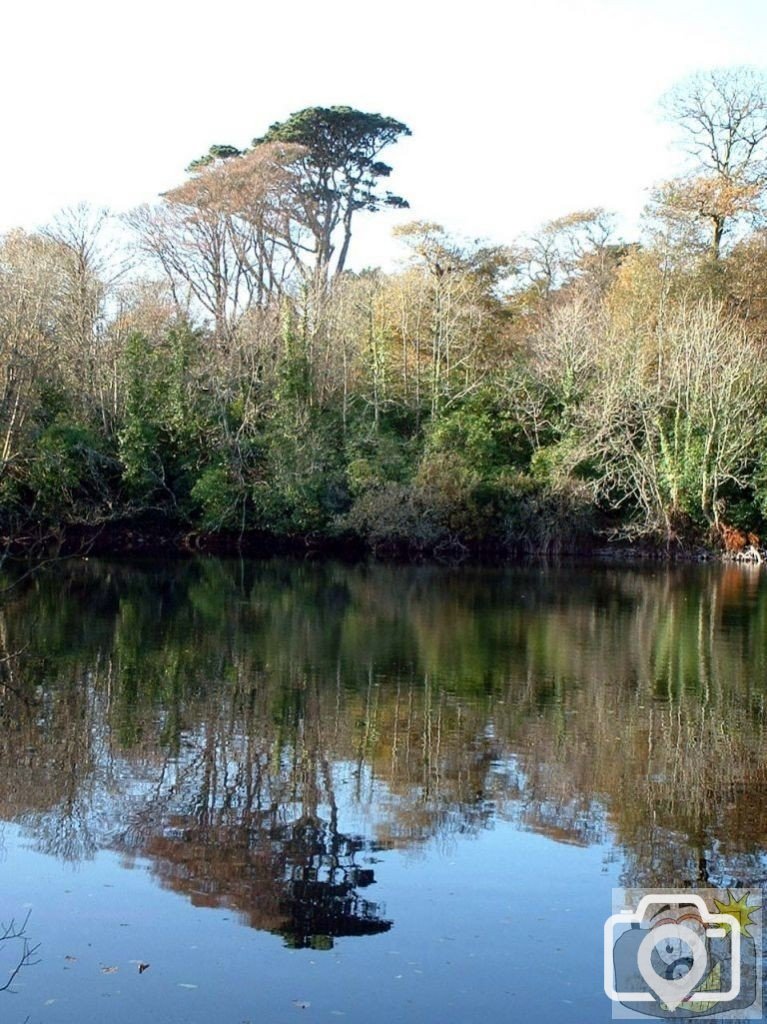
225, 373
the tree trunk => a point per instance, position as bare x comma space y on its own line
716, 241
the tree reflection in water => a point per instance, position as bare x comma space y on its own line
223, 720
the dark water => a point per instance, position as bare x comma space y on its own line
326, 793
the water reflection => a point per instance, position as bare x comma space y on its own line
262, 732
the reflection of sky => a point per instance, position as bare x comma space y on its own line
502, 925
476, 910
122, 800
479, 912
484, 804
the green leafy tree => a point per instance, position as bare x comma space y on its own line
341, 172
216, 153
161, 441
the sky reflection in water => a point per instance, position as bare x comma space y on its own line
397, 793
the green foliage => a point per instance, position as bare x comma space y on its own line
68, 472
552, 464
683, 465
341, 139
484, 433
454, 493
758, 497
294, 383
216, 152
340, 172
218, 499
165, 419
301, 485
529, 396
376, 458
447, 503
139, 436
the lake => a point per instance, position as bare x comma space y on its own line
320, 792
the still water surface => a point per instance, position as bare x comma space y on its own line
333, 793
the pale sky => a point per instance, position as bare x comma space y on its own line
520, 111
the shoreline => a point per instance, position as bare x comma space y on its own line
128, 538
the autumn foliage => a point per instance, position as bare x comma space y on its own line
226, 373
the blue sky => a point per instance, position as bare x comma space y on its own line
520, 111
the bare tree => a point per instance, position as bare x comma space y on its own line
458, 309
30, 290
227, 238
26, 956
565, 247
722, 115
674, 417
90, 269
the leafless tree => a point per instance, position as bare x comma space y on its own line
722, 116
227, 238
673, 416
565, 247
11, 933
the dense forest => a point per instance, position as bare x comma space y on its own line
209, 366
